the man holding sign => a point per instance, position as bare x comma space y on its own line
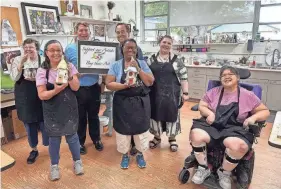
88, 95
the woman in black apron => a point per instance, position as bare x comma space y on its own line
131, 104
167, 94
28, 104
60, 108
222, 125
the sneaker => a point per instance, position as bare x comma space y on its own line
98, 145
133, 151
78, 167
200, 175
32, 157
224, 179
55, 173
125, 161
83, 150
140, 160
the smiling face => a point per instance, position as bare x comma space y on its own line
165, 45
122, 33
30, 49
54, 52
229, 79
130, 50
83, 33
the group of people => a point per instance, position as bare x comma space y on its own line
150, 105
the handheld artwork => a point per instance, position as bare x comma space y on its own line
42, 16
131, 75
62, 76
96, 57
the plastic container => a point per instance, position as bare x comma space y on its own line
103, 124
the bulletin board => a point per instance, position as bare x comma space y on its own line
12, 15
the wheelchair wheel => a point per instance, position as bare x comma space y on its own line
184, 175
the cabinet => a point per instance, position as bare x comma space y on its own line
273, 95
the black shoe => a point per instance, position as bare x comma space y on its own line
32, 157
83, 150
133, 151
98, 145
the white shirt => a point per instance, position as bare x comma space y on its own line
29, 69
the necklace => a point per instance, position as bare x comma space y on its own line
163, 59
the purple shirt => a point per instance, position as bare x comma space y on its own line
41, 75
248, 101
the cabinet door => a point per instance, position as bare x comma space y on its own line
197, 82
273, 97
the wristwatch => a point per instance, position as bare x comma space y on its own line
185, 94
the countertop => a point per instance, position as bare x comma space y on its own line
245, 67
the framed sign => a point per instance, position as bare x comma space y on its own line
96, 57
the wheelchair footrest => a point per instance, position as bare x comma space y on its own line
211, 182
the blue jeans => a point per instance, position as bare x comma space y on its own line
32, 133
108, 110
54, 147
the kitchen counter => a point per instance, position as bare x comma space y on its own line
245, 67
268, 79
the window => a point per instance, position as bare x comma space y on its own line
155, 19
270, 20
267, 2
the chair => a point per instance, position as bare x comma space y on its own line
244, 170
244, 74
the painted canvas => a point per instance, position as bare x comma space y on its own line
69, 7
10, 27
43, 16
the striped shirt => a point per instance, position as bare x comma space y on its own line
179, 67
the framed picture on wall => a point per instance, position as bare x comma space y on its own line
96, 57
43, 16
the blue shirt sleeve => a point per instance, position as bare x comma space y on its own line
112, 69
140, 55
71, 54
144, 66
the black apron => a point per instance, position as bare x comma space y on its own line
131, 108
166, 91
225, 124
60, 112
28, 104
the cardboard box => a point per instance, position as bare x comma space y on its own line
18, 126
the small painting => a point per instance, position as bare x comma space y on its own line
69, 7
86, 11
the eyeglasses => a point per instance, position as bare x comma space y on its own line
26, 48
53, 51
227, 75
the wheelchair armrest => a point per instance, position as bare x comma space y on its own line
256, 128
195, 107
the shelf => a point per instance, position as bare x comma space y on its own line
222, 53
209, 44
50, 35
88, 20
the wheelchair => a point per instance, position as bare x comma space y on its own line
215, 151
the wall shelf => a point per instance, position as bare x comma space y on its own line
210, 44
88, 20
50, 35
223, 53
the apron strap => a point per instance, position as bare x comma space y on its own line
221, 95
174, 59
47, 75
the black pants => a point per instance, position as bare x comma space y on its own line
89, 105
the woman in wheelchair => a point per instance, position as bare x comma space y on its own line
227, 112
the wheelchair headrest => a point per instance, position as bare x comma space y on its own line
244, 73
